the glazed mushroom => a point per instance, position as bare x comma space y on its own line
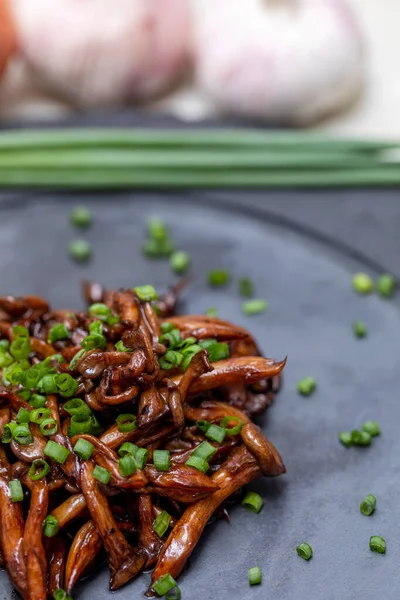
104, 416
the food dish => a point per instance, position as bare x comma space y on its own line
120, 427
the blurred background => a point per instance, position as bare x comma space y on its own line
324, 64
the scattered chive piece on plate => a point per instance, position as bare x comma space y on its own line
253, 501
154, 249
164, 585
211, 312
180, 262
157, 229
360, 438
368, 505
377, 544
386, 285
254, 576
345, 438
306, 386
218, 277
246, 287
254, 307
362, 283
372, 428
304, 551
81, 217
80, 250
360, 329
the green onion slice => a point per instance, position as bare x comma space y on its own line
126, 422
101, 474
16, 491
161, 460
83, 449
161, 523
38, 469
253, 501
233, 430
50, 526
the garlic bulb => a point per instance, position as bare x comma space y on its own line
286, 61
105, 52
8, 37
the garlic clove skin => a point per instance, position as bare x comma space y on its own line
293, 61
102, 52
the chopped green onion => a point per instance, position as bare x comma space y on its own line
16, 491
75, 359
180, 262
306, 386
80, 250
56, 452
39, 469
58, 332
157, 229
48, 384
345, 438
198, 463
154, 249
188, 357
83, 449
254, 307
254, 576
146, 293
126, 422
386, 285
20, 331
4, 345
368, 505
218, 277
67, 386
253, 501
99, 311
185, 345
172, 338
360, 438
203, 425
112, 319
50, 526
161, 460
120, 346
372, 428
48, 427
167, 327
216, 433
7, 433
128, 448
5, 359
204, 450
246, 287
165, 584
101, 474
141, 457
25, 395
234, 430
161, 523
91, 341
377, 544
60, 594
39, 414
54, 358
38, 401
20, 348
362, 283
304, 551
127, 465
96, 327
81, 217
211, 312
218, 351
22, 435
76, 406
23, 416
360, 329
80, 423
170, 360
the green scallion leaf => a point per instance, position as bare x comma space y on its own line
254, 576
218, 277
16, 491
146, 293
386, 285
372, 428
377, 544
362, 283
246, 287
81, 217
253, 501
306, 386
305, 551
368, 505
80, 250
180, 262
254, 307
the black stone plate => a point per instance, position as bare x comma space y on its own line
301, 249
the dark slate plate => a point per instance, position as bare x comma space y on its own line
301, 249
